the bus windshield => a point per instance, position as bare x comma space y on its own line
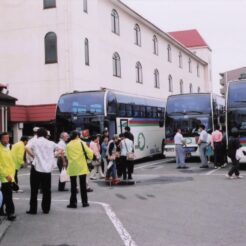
237, 121
188, 124
84, 103
189, 104
236, 94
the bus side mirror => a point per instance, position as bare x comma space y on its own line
161, 123
222, 119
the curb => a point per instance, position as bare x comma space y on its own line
4, 226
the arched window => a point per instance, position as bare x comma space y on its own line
49, 4
155, 45
198, 89
137, 35
157, 78
116, 65
170, 83
181, 84
190, 66
50, 43
169, 53
139, 73
198, 70
115, 22
85, 6
87, 56
180, 60
191, 88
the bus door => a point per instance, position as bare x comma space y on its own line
123, 124
111, 126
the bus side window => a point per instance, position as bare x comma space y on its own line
136, 111
122, 110
149, 112
128, 110
159, 113
112, 105
143, 111
154, 112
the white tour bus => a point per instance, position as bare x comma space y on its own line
236, 111
97, 110
187, 112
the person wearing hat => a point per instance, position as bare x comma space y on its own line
7, 173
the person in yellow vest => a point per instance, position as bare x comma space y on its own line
18, 152
77, 152
7, 173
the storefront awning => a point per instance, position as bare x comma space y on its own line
32, 113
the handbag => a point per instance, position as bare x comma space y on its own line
14, 186
239, 154
63, 176
88, 161
129, 155
96, 163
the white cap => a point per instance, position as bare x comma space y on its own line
35, 129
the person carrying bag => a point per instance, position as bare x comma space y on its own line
127, 156
77, 167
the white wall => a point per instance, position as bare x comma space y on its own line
25, 23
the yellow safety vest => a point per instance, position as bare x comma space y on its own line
18, 151
7, 166
77, 164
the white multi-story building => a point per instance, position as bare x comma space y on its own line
51, 47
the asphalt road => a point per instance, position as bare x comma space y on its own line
166, 207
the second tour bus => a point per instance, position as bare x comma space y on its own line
98, 110
236, 111
187, 112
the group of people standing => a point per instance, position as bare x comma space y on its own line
211, 144
82, 156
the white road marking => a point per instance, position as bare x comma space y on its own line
123, 233
213, 171
153, 164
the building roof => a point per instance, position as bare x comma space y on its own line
158, 30
189, 38
6, 100
32, 113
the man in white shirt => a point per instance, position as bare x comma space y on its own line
43, 152
179, 142
202, 142
126, 147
